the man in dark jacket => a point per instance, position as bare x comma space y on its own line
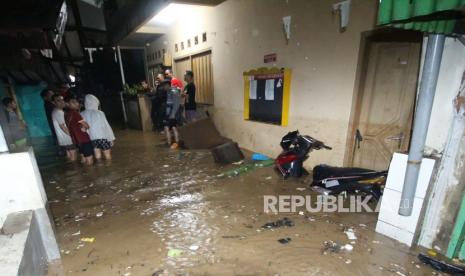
159, 103
46, 95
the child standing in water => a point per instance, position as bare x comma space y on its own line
78, 127
100, 131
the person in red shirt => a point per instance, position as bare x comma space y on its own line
78, 131
174, 81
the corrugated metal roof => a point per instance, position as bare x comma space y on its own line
432, 16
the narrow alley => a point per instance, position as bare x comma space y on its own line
150, 200
232, 137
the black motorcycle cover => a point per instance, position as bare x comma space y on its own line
322, 172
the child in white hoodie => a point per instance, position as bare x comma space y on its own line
100, 131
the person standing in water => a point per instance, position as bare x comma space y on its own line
173, 101
61, 130
174, 81
189, 95
78, 127
49, 106
160, 103
16, 125
100, 131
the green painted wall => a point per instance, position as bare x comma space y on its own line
32, 108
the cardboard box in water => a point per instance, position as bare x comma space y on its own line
227, 153
201, 134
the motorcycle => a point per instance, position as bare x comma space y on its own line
296, 149
326, 179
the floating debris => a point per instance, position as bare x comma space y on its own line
350, 234
335, 247
174, 252
331, 246
159, 273
442, 265
89, 240
348, 247
284, 240
432, 253
260, 157
285, 222
247, 168
233, 237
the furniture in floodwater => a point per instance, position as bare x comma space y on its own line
227, 153
138, 111
202, 134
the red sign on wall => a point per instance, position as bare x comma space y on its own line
270, 58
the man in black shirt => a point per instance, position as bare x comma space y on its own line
189, 95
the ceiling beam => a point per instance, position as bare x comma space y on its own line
131, 17
77, 19
85, 29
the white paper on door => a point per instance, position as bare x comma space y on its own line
269, 90
253, 90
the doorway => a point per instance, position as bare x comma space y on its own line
181, 66
201, 66
203, 77
385, 103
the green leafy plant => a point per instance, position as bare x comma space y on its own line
132, 90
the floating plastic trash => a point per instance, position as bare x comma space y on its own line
259, 157
174, 252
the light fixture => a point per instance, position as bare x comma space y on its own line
170, 14
72, 78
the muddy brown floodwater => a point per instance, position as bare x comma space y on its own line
156, 211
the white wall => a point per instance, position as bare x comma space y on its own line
3, 144
445, 137
450, 76
323, 61
20, 184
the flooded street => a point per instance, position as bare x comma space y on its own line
155, 211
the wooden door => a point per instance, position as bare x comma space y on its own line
386, 104
180, 68
203, 77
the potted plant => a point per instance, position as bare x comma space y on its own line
132, 91
131, 100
